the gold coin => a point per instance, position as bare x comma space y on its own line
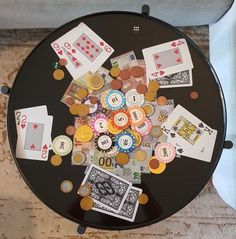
56, 160
83, 110
137, 136
84, 190
150, 96
153, 86
156, 131
95, 82
86, 203
74, 109
140, 155
149, 109
115, 71
82, 93
143, 198
112, 129
84, 133
58, 74
122, 158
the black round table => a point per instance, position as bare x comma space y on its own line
168, 192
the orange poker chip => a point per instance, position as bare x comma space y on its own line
121, 119
161, 100
137, 115
124, 75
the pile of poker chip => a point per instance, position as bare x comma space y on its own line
116, 124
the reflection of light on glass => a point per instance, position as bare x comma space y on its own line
136, 28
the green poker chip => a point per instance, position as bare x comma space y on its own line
62, 145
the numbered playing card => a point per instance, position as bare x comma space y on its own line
187, 130
167, 58
129, 208
86, 46
34, 133
74, 65
108, 190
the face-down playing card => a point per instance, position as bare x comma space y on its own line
129, 208
108, 190
167, 58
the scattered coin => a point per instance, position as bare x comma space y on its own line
116, 84
83, 110
84, 190
150, 96
115, 71
70, 130
78, 158
84, 133
82, 93
86, 203
194, 95
140, 155
122, 158
124, 75
161, 100
58, 74
56, 160
93, 100
136, 71
74, 109
62, 62
153, 86
66, 186
143, 198
141, 89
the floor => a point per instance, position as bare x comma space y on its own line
23, 216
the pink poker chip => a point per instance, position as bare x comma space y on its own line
99, 124
145, 127
165, 152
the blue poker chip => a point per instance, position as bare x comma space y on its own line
115, 100
125, 142
93, 108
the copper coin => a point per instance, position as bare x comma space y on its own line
70, 101
93, 100
136, 71
194, 95
141, 89
143, 198
161, 100
70, 130
124, 75
62, 62
154, 163
116, 84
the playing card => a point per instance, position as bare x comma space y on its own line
90, 49
187, 130
74, 65
108, 189
124, 61
180, 79
167, 58
34, 140
205, 154
129, 209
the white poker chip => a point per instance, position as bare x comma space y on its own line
62, 145
134, 98
165, 152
